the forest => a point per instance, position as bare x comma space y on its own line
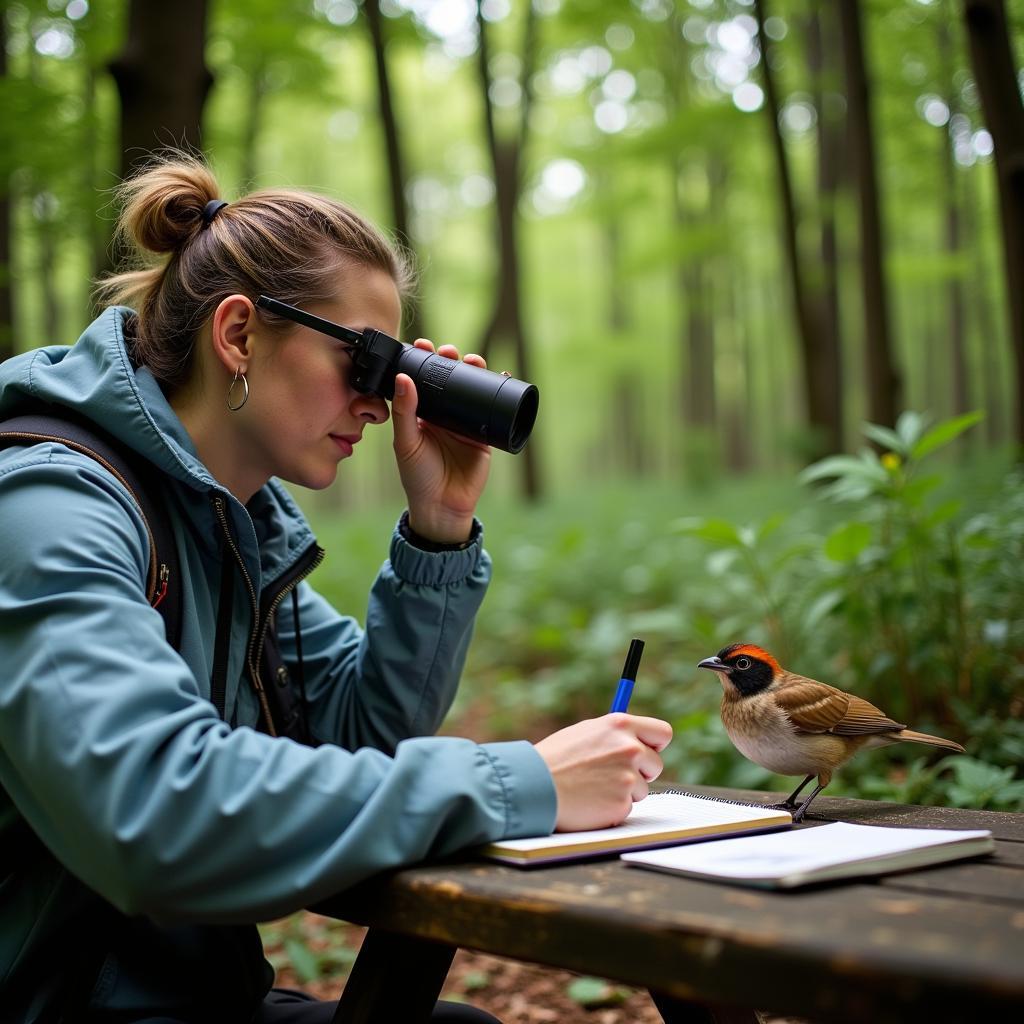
764, 261
761, 257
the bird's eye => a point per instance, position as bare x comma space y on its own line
743, 664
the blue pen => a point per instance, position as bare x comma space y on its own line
625, 689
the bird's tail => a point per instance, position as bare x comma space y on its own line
927, 740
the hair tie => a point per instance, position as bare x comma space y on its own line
211, 209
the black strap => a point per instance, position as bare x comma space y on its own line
163, 585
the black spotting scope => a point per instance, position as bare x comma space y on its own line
491, 407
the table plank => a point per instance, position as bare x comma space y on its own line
859, 950
979, 879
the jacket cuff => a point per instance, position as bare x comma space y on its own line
435, 568
531, 804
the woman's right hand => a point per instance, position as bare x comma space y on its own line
601, 766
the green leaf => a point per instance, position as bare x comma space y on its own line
943, 433
474, 981
769, 526
306, 964
593, 993
885, 437
910, 426
865, 466
846, 542
715, 531
944, 512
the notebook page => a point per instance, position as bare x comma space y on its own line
779, 854
659, 812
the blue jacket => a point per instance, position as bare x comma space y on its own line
168, 831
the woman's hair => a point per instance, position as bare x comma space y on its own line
288, 244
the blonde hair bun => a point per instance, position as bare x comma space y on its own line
162, 207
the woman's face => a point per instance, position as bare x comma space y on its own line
303, 417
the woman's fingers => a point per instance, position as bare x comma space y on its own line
450, 352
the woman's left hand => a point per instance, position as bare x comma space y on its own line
443, 474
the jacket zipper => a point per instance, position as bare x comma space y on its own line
218, 504
307, 562
310, 559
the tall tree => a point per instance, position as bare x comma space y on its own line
823, 60
820, 361
996, 75
506, 151
162, 78
883, 381
953, 233
397, 178
6, 289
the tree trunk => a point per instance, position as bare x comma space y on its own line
506, 320
823, 58
955, 304
162, 78
6, 291
257, 91
996, 77
393, 149
883, 382
982, 274
819, 384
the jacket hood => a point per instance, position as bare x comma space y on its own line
95, 378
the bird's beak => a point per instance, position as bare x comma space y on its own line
715, 664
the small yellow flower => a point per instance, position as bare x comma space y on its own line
891, 461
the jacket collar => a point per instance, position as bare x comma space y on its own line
95, 377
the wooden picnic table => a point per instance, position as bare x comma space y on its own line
944, 943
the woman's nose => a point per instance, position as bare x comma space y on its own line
370, 408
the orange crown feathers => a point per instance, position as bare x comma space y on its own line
752, 651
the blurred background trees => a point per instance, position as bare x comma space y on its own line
720, 235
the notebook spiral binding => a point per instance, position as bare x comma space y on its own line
713, 799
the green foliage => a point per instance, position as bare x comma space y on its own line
313, 947
907, 601
595, 993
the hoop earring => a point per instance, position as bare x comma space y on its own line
239, 376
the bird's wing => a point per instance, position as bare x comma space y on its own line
863, 718
818, 707
811, 706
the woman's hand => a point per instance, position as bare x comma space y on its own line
443, 474
602, 766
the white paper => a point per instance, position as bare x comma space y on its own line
781, 854
659, 812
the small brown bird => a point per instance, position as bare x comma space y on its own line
797, 726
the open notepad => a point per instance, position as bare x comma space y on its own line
805, 856
657, 820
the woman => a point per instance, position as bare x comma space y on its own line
163, 829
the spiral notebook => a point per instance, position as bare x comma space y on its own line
661, 819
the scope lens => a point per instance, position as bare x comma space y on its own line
523, 419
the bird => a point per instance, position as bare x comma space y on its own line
793, 725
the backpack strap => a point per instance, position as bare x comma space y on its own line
137, 475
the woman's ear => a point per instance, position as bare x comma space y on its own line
234, 324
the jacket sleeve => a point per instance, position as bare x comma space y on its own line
398, 678
132, 781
